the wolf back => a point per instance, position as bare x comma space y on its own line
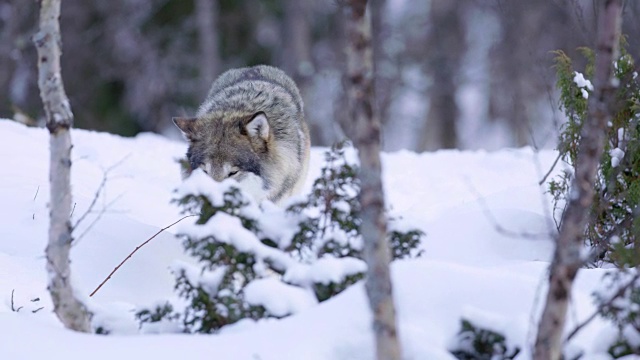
251, 127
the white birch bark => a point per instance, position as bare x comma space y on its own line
360, 94
567, 259
67, 307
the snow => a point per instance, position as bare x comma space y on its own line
621, 134
275, 225
293, 300
580, 80
210, 280
585, 94
583, 84
617, 155
488, 244
229, 230
324, 271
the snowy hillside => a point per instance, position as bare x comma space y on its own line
486, 253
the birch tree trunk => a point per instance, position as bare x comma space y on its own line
67, 307
360, 95
567, 260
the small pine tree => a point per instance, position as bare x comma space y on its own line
331, 224
614, 214
613, 228
235, 246
476, 343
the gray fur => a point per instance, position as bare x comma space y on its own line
220, 136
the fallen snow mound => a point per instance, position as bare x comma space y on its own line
486, 252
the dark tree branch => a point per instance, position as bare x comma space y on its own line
602, 306
96, 196
553, 166
12, 305
133, 252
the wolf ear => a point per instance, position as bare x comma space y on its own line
258, 126
186, 125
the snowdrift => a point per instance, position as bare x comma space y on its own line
488, 224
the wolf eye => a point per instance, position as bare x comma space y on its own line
231, 173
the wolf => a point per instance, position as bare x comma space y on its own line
251, 128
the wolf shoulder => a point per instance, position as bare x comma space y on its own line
253, 82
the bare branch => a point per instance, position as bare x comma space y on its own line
93, 202
496, 224
553, 166
12, 306
134, 251
103, 184
117, 163
615, 296
96, 219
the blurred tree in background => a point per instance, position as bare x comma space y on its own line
450, 73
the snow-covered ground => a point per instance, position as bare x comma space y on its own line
487, 248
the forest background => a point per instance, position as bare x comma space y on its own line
462, 74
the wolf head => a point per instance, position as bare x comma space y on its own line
230, 148
251, 128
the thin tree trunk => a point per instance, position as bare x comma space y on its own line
67, 307
297, 47
385, 65
297, 61
8, 33
360, 95
445, 51
207, 18
567, 259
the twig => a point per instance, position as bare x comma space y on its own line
34, 199
497, 226
73, 209
543, 201
93, 202
619, 293
96, 219
533, 317
117, 163
134, 251
553, 166
96, 196
12, 306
